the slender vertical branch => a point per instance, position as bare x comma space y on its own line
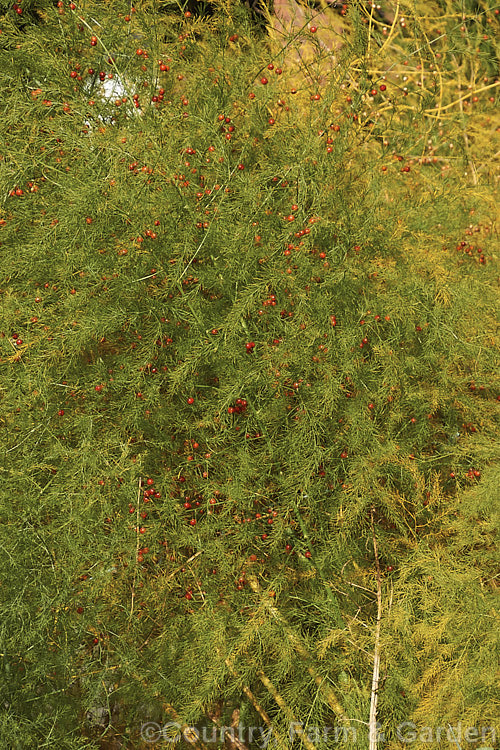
464, 129
376, 652
136, 551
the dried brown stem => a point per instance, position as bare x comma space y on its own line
297, 727
328, 693
262, 713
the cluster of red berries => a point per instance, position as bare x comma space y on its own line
144, 169
469, 250
195, 503
141, 552
270, 301
150, 492
473, 474
187, 504
156, 98
240, 582
240, 407
228, 128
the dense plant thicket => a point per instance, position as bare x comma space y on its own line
249, 375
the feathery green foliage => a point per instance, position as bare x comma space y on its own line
238, 323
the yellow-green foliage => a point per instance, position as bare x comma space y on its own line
277, 301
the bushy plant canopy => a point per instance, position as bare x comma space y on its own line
249, 376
